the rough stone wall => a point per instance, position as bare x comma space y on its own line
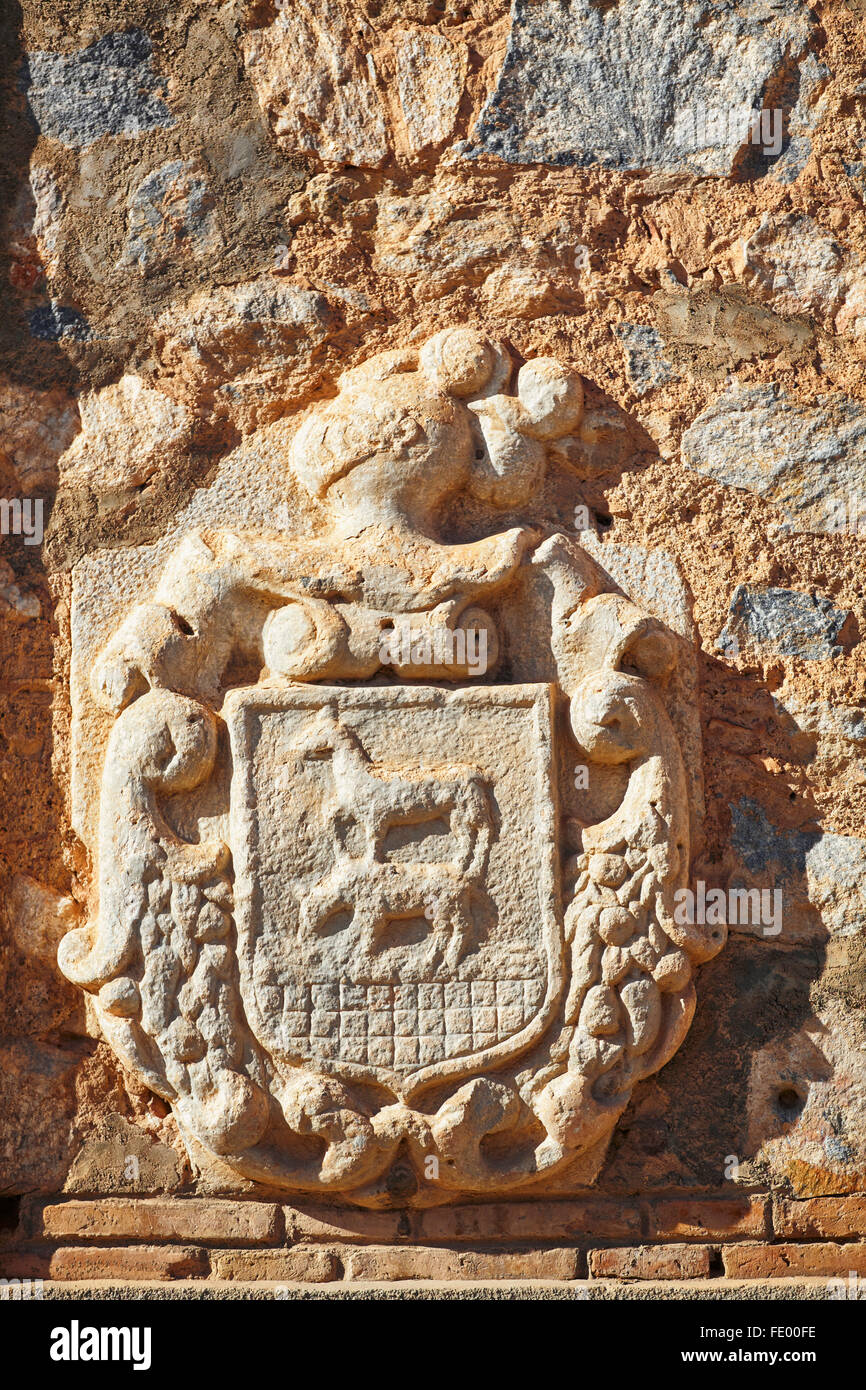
210, 210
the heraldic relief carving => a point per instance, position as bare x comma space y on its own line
404, 941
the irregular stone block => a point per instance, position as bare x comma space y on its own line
37, 916
128, 431
843, 724
38, 426
654, 574
108, 88
430, 75
36, 1118
425, 239
253, 344
584, 83
19, 605
705, 332
37, 238
120, 1157
803, 120
172, 216
317, 85
808, 461
782, 622
831, 868
646, 364
793, 264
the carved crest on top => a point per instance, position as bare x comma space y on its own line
352, 909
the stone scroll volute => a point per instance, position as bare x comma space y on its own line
348, 912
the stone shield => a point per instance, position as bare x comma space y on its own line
396, 896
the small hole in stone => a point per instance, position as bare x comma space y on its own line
789, 1102
9, 1211
604, 521
401, 1181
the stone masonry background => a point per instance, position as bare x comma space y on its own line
211, 209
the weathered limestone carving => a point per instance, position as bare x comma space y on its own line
403, 931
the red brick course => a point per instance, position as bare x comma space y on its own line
651, 1238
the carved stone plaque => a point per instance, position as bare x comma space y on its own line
395, 885
388, 827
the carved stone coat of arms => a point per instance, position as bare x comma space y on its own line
351, 909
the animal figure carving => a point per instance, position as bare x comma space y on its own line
376, 890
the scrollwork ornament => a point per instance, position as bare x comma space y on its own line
386, 929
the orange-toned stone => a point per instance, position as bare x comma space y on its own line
129, 1262
651, 1262
689, 1218
182, 1219
501, 1221
301, 1264
821, 1258
541, 1221
829, 1217
378, 1263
